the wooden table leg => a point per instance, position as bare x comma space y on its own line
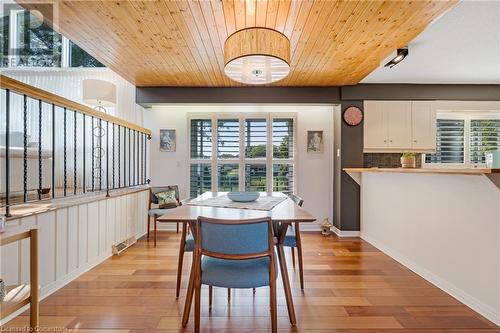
284, 275
190, 290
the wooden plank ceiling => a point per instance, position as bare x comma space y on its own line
180, 43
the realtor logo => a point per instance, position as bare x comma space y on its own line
27, 38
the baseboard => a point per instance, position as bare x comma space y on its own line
345, 233
485, 310
56, 285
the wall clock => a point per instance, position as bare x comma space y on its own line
353, 116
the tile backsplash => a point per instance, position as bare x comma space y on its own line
386, 160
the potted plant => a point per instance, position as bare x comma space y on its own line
408, 160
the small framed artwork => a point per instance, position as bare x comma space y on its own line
315, 141
167, 140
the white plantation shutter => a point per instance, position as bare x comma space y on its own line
283, 138
200, 179
255, 177
201, 138
283, 178
255, 138
450, 139
228, 175
484, 137
228, 141
235, 152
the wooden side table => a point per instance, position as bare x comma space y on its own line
19, 296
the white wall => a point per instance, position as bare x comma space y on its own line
72, 240
67, 82
445, 228
314, 172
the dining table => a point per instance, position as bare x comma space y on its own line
283, 214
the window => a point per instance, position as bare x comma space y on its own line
229, 177
449, 142
464, 138
4, 38
255, 177
282, 132
228, 138
37, 45
255, 138
283, 178
28, 41
484, 137
254, 152
200, 178
79, 58
201, 138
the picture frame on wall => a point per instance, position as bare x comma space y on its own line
315, 141
167, 140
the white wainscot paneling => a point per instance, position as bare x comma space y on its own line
73, 240
61, 243
83, 233
102, 227
47, 252
93, 231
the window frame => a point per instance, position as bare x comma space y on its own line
242, 160
65, 48
466, 116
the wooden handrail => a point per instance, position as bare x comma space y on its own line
37, 93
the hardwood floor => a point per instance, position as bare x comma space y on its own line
350, 287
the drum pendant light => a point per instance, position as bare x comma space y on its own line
257, 56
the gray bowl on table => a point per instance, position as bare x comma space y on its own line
243, 196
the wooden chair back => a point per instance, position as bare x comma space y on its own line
234, 239
156, 189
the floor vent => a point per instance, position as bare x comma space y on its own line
120, 247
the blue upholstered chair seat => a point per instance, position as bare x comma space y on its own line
157, 212
189, 246
251, 273
290, 239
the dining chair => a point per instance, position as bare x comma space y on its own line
187, 245
167, 197
234, 254
292, 240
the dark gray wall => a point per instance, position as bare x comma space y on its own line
455, 92
351, 147
326, 95
349, 140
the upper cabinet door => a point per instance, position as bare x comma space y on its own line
398, 114
375, 127
423, 126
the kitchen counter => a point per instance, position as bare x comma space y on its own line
492, 174
461, 171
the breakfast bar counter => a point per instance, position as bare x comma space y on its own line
444, 224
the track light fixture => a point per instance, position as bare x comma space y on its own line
401, 54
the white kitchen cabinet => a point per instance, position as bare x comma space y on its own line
399, 126
423, 116
375, 130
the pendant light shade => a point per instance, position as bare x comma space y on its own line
257, 56
99, 92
